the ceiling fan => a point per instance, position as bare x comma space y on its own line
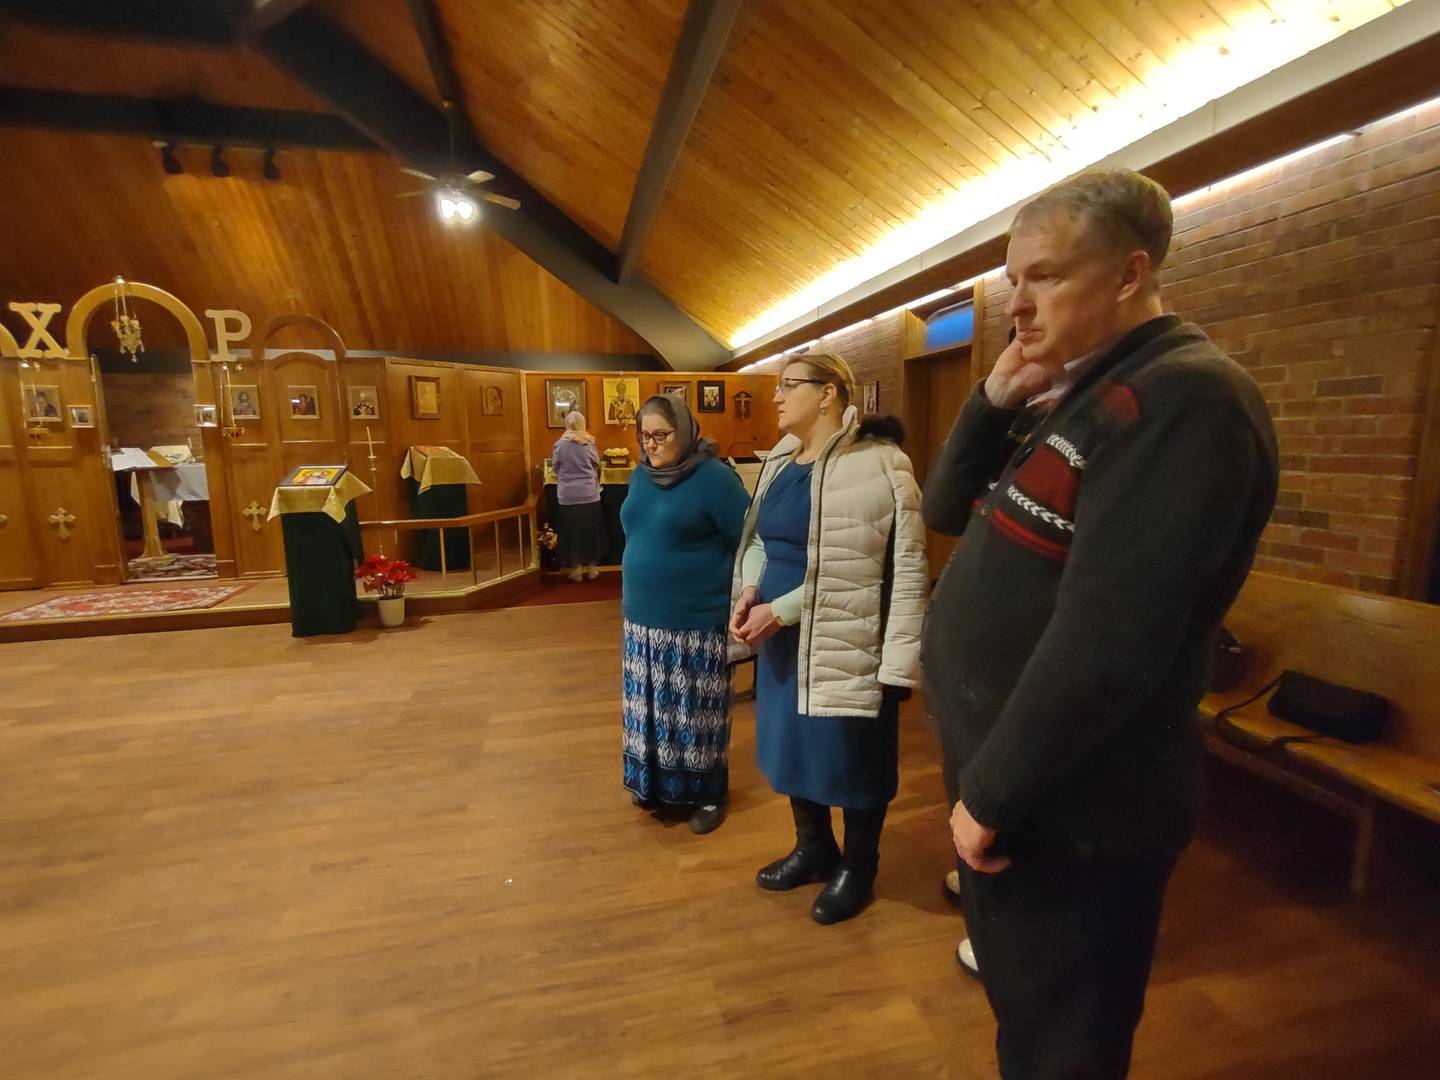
454, 193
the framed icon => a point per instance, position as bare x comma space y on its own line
42, 404
621, 400
304, 402
82, 416
679, 389
425, 397
871, 398
492, 401
314, 476
207, 416
364, 403
711, 394
244, 402
562, 397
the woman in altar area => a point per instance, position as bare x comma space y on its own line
830, 590
682, 519
578, 521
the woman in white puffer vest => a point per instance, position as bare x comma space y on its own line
830, 590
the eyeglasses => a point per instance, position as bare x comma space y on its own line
784, 386
655, 438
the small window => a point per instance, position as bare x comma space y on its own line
954, 325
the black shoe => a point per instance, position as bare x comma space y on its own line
847, 895
852, 887
707, 818
803, 866
815, 855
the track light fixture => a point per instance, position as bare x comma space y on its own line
218, 167
168, 161
269, 169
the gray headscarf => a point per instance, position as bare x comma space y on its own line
693, 449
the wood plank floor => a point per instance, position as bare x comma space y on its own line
231, 853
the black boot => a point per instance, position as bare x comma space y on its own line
815, 856
852, 886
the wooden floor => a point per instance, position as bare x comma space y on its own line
231, 853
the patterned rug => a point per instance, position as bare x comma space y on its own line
172, 568
123, 601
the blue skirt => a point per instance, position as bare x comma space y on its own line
677, 714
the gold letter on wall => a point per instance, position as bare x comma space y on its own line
224, 335
38, 316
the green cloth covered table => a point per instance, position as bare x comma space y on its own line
435, 477
321, 551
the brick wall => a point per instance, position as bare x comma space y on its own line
1322, 277
873, 352
148, 409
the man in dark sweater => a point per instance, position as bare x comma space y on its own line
1109, 480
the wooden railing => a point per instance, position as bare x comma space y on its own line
525, 525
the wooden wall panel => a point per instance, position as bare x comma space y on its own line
19, 543
732, 434
330, 239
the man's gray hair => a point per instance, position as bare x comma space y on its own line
1120, 209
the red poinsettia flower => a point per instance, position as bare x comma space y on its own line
385, 576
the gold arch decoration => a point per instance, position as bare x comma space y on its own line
8, 345
76, 326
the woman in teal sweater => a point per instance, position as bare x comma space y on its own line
682, 520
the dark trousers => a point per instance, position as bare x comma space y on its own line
1064, 945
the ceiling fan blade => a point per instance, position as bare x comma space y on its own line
416, 172
479, 176
499, 200
411, 194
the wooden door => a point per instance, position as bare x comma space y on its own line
936, 387
19, 551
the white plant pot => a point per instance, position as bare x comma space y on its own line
392, 610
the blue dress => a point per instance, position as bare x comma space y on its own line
848, 761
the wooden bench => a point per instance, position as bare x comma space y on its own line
1376, 643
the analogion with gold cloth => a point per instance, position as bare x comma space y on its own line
431, 465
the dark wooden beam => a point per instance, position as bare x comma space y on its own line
426, 18
176, 120
203, 22
258, 16
379, 103
1404, 78
702, 40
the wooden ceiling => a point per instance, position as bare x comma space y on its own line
49, 58
329, 239
563, 91
828, 125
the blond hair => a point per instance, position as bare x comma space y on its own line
832, 368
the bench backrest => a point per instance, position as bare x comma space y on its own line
1370, 642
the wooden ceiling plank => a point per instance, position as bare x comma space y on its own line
1078, 43
1124, 46
1043, 50
950, 142
878, 19
706, 29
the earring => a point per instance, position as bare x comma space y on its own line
824, 409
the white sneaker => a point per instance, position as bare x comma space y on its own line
965, 954
577, 574
952, 883
592, 573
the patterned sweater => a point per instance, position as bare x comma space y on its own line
1070, 636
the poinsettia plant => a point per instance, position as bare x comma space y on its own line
385, 576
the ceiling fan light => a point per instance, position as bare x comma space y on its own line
465, 208
448, 208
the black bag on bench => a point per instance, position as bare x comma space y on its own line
1329, 709
1354, 716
